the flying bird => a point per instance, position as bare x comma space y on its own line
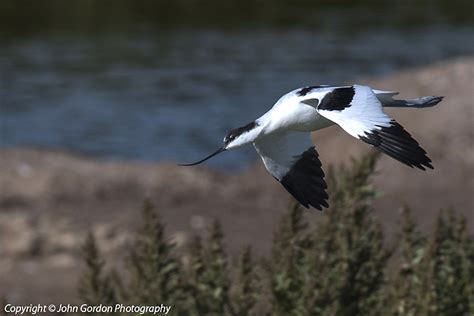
282, 135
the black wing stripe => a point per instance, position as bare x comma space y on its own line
338, 99
305, 180
304, 91
396, 142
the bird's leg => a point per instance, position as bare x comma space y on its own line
421, 102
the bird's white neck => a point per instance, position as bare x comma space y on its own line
244, 135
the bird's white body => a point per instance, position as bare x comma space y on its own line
293, 115
289, 113
282, 139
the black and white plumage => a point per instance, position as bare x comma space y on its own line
282, 135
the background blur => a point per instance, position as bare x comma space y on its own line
99, 99
135, 79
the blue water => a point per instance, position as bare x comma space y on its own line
172, 96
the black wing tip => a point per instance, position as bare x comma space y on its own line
305, 181
424, 166
319, 206
421, 166
396, 142
323, 203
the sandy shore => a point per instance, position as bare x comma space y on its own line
49, 200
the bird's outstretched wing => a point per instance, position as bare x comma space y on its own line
359, 112
292, 159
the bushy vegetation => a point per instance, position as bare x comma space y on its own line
339, 265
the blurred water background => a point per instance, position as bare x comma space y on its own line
159, 80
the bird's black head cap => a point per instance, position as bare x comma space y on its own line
233, 134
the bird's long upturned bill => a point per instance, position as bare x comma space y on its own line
204, 159
282, 135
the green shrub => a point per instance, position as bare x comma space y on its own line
451, 270
95, 286
337, 266
209, 278
408, 295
